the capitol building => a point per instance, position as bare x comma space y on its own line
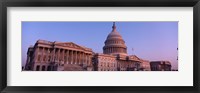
68, 56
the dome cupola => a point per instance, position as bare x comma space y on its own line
114, 43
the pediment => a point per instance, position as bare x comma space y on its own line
71, 45
134, 57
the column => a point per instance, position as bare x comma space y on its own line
75, 57
45, 55
78, 62
67, 56
81, 55
59, 55
86, 59
42, 57
83, 58
36, 54
72, 57
48, 54
68, 61
64, 60
63, 56
56, 54
89, 59
52, 54
55, 57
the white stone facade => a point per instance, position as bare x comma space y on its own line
68, 56
45, 55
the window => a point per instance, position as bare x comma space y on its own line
37, 68
43, 68
49, 68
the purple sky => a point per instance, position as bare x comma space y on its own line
150, 40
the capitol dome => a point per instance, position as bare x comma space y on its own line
114, 43
114, 34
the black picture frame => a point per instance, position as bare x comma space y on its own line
99, 3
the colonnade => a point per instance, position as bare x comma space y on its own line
115, 50
63, 56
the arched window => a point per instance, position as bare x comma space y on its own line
43, 68
37, 68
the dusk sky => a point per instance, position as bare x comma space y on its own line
151, 41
